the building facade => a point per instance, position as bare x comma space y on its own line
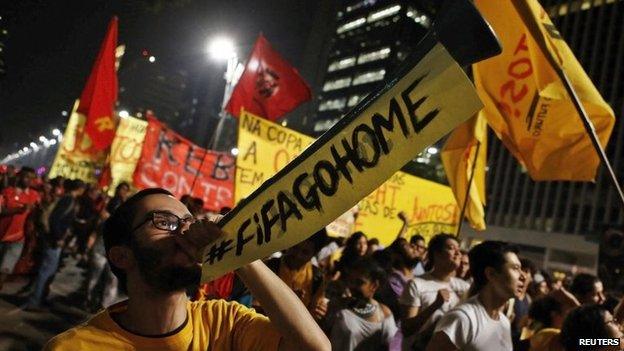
371, 38
4, 34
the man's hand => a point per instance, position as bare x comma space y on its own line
199, 235
320, 309
443, 296
402, 216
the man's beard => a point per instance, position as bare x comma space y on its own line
164, 278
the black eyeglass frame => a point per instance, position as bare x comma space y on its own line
152, 216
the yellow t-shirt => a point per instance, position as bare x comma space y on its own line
546, 339
213, 325
299, 281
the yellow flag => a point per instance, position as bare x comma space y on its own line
525, 100
463, 154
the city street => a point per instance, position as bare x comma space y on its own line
21, 330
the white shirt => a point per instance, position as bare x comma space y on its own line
351, 332
470, 328
422, 291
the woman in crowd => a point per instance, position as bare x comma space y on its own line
359, 322
356, 247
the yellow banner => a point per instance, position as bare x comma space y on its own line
351, 160
430, 209
74, 160
126, 150
265, 148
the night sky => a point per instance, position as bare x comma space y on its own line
52, 46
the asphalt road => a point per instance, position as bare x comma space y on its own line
21, 330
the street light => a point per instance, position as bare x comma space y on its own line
56, 132
222, 49
124, 114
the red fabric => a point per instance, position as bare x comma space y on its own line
12, 227
170, 161
99, 95
269, 86
106, 178
220, 288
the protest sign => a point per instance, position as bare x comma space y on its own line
430, 208
426, 99
126, 151
266, 147
172, 162
75, 158
347, 163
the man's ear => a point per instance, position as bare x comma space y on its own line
121, 257
490, 273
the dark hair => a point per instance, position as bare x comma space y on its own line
541, 309
319, 239
487, 254
582, 323
384, 259
373, 241
437, 244
528, 265
349, 254
583, 284
56, 181
415, 238
26, 169
395, 253
73, 184
369, 268
120, 185
118, 227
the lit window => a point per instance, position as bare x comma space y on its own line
337, 84
341, 64
351, 25
321, 126
387, 12
374, 55
419, 17
353, 100
335, 104
368, 77
361, 4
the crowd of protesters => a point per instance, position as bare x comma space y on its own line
410, 295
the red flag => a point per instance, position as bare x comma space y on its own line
99, 95
269, 87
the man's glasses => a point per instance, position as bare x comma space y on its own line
165, 221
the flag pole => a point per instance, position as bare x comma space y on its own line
525, 14
591, 131
466, 198
229, 85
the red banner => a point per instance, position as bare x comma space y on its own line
170, 161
